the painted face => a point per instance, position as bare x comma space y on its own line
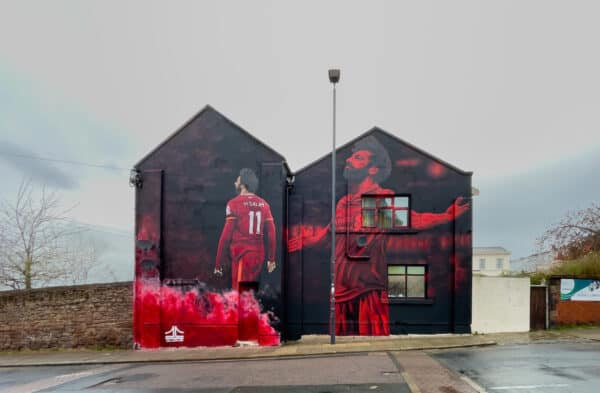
358, 165
359, 159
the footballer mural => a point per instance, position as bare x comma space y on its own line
242, 246
386, 250
207, 245
248, 219
223, 228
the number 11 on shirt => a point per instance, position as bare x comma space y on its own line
251, 215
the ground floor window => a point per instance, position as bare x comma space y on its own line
405, 281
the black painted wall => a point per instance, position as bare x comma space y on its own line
198, 165
180, 207
445, 249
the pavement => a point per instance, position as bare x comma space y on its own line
312, 345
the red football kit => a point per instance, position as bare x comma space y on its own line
360, 284
247, 218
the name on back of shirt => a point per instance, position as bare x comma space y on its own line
254, 204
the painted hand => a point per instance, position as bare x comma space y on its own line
294, 244
271, 265
305, 235
460, 206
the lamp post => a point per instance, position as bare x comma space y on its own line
334, 77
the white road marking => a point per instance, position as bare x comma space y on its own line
473, 384
556, 385
46, 383
74, 375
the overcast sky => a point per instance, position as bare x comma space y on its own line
509, 90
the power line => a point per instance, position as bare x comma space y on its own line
65, 161
97, 228
101, 228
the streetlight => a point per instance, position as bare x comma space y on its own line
334, 77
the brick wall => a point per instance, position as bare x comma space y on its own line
67, 317
570, 312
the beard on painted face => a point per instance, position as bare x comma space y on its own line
354, 174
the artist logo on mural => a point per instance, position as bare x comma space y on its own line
247, 218
361, 283
174, 335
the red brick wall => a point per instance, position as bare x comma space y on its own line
577, 312
67, 317
570, 312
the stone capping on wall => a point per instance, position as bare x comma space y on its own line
93, 315
570, 312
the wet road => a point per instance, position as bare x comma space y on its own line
377, 372
536, 368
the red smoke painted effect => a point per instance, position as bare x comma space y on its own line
436, 170
207, 319
408, 162
146, 328
461, 274
449, 241
147, 319
395, 244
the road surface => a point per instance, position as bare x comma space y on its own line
534, 368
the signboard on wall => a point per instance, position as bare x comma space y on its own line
577, 289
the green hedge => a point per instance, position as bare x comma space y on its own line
584, 267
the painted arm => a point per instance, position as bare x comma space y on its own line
428, 220
224, 241
305, 235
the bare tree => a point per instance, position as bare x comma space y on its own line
37, 244
576, 234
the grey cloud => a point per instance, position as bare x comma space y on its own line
41, 171
514, 211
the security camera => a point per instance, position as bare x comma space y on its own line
135, 178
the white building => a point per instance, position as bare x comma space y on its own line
491, 261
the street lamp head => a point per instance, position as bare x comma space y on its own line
334, 76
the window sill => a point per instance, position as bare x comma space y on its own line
401, 231
395, 300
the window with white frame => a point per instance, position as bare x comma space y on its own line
482, 264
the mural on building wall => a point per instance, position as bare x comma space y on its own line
210, 259
241, 245
364, 279
199, 316
207, 258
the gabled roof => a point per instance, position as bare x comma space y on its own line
203, 112
401, 141
489, 250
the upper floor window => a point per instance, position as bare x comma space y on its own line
389, 211
482, 264
499, 263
